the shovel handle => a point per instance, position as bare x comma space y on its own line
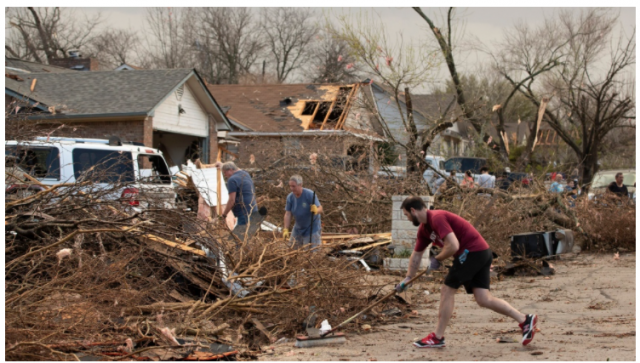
371, 306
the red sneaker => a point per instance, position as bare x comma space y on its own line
528, 328
430, 342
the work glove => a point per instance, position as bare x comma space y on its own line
433, 263
314, 209
403, 285
286, 234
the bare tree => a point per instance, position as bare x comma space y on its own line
42, 34
170, 37
115, 47
233, 39
399, 66
591, 93
446, 47
525, 56
332, 61
288, 33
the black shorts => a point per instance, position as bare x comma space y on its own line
474, 272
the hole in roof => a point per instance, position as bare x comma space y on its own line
309, 108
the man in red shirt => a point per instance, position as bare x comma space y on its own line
472, 259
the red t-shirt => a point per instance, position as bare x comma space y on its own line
440, 223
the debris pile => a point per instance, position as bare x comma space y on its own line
89, 275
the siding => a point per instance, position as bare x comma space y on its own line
389, 113
193, 122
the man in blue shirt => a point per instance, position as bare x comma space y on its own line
305, 208
242, 200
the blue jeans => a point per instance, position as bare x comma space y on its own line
242, 220
297, 240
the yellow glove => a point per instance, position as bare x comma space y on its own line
314, 209
286, 234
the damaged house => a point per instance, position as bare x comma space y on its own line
428, 110
171, 110
277, 120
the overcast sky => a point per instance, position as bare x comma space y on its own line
486, 24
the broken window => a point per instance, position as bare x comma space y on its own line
359, 157
309, 108
152, 169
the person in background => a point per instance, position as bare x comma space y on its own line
467, 181
304, 206
572, 192
242, 201
556, 186
618, 188
485, 180
441, 184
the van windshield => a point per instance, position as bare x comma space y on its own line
152, 169
461, 165
102, 166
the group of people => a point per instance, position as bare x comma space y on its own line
485, 180
302, 204
456, 237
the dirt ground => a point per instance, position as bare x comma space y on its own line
586, 312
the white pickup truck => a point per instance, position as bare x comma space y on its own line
141, 172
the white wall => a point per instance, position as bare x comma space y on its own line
193, 122
403, 232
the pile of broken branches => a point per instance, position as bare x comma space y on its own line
87, 274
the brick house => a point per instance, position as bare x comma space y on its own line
276, 120
166, 109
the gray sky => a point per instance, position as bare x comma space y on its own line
486, 24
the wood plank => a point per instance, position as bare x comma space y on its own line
378, 244
345, 112
172, 244
263, 330
329, 112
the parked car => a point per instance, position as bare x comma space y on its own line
462, 164
519, 179
141, 171
437, 162
602, 179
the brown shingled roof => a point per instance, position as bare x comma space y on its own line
259, 106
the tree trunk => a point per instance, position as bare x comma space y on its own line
413, 161
590, 166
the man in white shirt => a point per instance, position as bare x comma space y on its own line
485, 180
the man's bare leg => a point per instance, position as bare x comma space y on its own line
486, 300
447, 299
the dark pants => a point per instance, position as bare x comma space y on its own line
247, 226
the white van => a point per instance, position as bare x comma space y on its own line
431, 176
142, 171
